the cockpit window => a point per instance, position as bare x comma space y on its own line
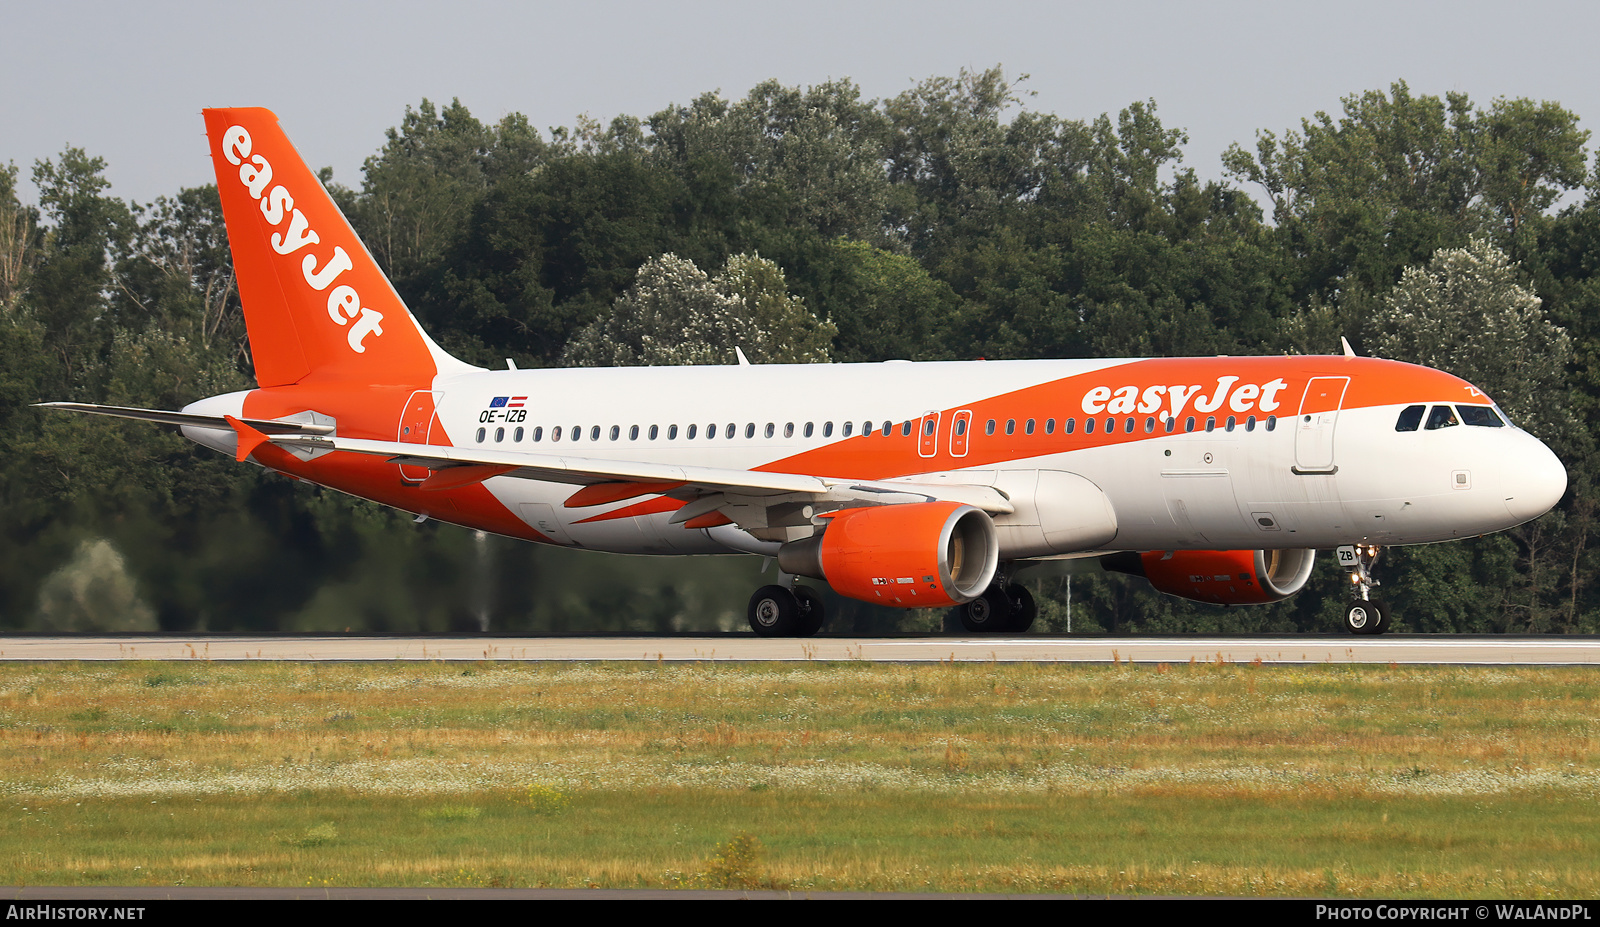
1410, 419
1442, 417
1483, 416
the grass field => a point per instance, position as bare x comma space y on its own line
1184, 779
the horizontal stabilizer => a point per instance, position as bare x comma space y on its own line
265, 426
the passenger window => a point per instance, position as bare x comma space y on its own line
672, 432
1027, 427
827, 429
961, 427
905, 430
730, 431
1070, 426
633, 433
1149, 424
888, 427
1171, 424
1410, 418
989, 428
1127, 426
1111, 425
768, 432
1250, 423
538, 433
927, 427
1011, 426
866, 428
499, 435
844, 432
1088, 426
1211, 423
655, 431
576, 434
481, 433
594, 433
517, 435
1482, 416
1231, 423
555, 433
616, 432
1049, 426
1272, 423
1441, 417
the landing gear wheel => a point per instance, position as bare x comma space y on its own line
812, 613
987, 613
1023, 608
774, 612
1382, 627
1364, 614
1363, 617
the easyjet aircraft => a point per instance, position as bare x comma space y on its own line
913, 485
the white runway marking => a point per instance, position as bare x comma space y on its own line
1411, 649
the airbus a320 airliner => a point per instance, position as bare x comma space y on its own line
905, 484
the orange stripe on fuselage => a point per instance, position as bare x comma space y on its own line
1373, 382
654, 506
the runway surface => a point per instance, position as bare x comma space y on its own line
1399, 649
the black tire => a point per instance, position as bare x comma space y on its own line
989, 613
1023, 608
812, 612
1382, 627
774, 612
1362, 617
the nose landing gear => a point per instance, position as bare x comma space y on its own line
1364, 614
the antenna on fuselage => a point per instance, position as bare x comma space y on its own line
1348, 351
739, 352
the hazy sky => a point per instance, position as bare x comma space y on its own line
126, 81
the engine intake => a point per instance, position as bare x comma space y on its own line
1223, 577
918, 555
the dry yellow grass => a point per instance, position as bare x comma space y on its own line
1224, 779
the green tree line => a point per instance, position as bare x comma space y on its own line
806, 224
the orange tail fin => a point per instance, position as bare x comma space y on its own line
315, 302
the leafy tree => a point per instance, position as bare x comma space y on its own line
19, 244
71, 287
1359, 198
676, 314
1468, 313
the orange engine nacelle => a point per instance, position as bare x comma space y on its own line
1224, 577
918, 555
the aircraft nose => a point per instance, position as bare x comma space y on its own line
1540, 482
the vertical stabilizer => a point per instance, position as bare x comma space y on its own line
316, 304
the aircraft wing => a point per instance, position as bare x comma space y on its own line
705, 489
764, 503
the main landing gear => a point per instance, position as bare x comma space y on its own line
786, 611
1364, 614
1007, 609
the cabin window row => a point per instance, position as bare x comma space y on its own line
1130, 425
